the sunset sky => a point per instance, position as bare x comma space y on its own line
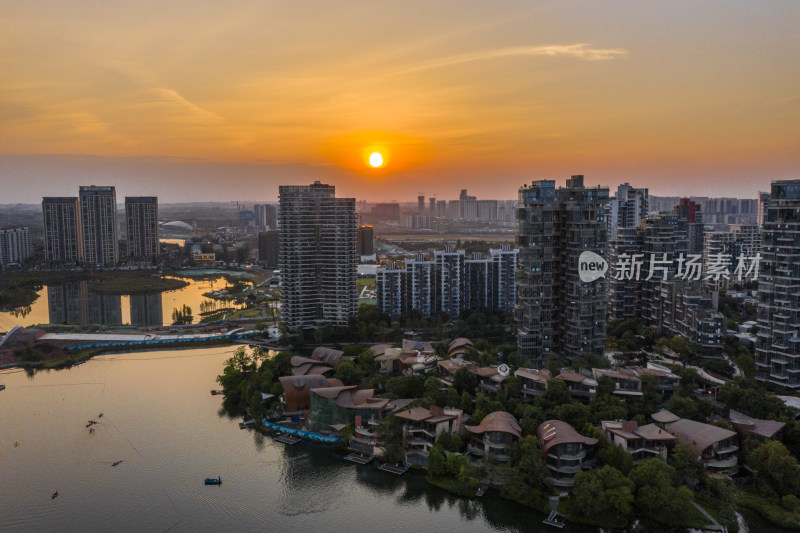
205, 100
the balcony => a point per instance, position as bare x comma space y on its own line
577, 456
560, 482
478, 451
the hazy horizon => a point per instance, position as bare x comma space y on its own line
197, 100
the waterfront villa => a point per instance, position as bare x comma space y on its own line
580, 386
493, 437
323, 361
297, 389
333, 407
490, 380
642, 442
715, 447
566, 452
627, 384
422, 426
534, 382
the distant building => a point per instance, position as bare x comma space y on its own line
504, 281
421, 287
556, 311
390, 285
626, 209
98, 220
317, 259
63, 241
265, 216
450, 276
763, 199
478, 279
421, 204
365, 243
269, 248
778, 338
141, 218
15, 245
691, 213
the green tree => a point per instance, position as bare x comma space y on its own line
347, 372
575, 414
437, 463
557, 393
776, 470
656, 496
464, 381
603, 495
688, 469
466, 404
615, 455
525, 475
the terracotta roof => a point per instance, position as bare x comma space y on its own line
460, 342
497, 421
328, 356
665, 417
348, 397
697, 434
483, 371
571, 376
755, 426
597, 372
379, 349
415, 414
452, 365
554, 432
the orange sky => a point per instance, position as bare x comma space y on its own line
204, 100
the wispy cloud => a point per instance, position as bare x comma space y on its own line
577, 51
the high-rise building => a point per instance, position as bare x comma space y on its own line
432, 207
763, 199
778, 338
265, 216
365, 243
389, 285
63, 241
15, 245
421, 204
478, 281
141, 221
691, 213
449, 277
624, 295
556, 311
626, 209
421, 286
98, 221
504, 280
317, 257
269, 247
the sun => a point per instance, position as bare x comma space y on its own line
375, 160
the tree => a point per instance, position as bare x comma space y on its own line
557, 393
688, 469
603, 495
605, 386
437, 463
608, 408
466, 403
524, 477
576, 415
347, 372
656, 496
616, 456
776, 470
464, 381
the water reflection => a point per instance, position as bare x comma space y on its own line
73, 303
146, 309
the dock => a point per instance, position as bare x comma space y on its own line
288, 439
247, 424
394, 468
482, 488
554, 519
359, 458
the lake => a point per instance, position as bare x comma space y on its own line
160, 420
72, 303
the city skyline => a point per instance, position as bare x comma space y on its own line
685, 99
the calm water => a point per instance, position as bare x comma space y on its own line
161, 421
73, 303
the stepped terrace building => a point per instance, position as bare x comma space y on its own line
422, 426
566, 452
642, 442
494, 436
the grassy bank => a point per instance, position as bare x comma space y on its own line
770, 509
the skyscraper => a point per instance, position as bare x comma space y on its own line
366, 240
626, 209
317, 256
389, 285
778, 338
504, 270
692, 214
141, 221
265, 216
449, 278
556, 311
763, 198
98, 220
269, 247
63, 241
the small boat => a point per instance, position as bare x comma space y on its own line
214, 480
116, 463
2, 387
91, 430
16, 444
54, 496
100, 415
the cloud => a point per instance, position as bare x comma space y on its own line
581, 51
